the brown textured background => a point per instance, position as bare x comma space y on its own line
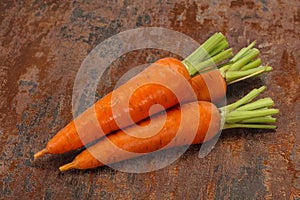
42, 46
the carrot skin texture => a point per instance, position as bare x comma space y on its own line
102, 152
210, 86
137, 108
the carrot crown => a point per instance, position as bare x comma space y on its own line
247, 114
208, 55
243, 65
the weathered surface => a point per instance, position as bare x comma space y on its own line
42, 47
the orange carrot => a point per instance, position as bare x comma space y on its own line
107, 153
208, 124
210, 86
137, 108
155, 85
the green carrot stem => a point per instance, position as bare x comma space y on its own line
261, 103
247, 114
242, 52
253, 53
204, 49
260, 126
208, 54
210, 62
224, 68
238, 57
266, 119
246, 99
237, 115
252, 64
243, 65
221, 46
235, 76
212, 42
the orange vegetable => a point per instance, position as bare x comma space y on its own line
209, 86
165, 82
178, 122
107, 153
147, 88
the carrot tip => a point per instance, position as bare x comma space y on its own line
40, 153
67, 167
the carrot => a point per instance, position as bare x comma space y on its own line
242, 113
137, 107
155, 85
210, 86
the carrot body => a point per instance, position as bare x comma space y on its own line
210, 86
104, 152
114, 111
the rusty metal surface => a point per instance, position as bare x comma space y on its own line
42, 46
